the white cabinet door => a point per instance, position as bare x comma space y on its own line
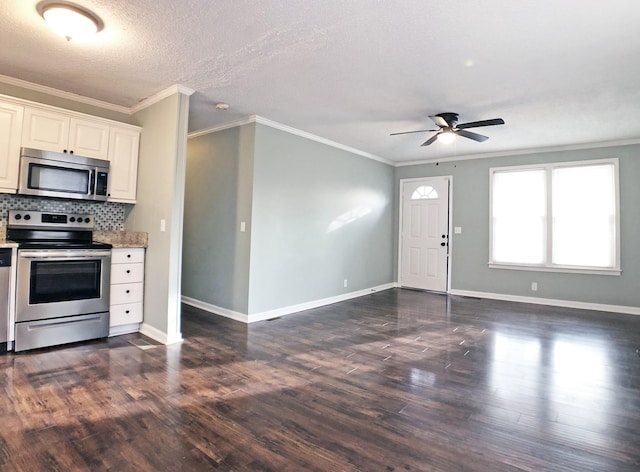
88, 138
45, 130
59, 132
127, 273
125, 314
123, 156
133, 255
10, 132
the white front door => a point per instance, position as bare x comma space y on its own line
424, 234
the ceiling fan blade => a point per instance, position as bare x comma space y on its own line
439, 120
431, 140
476, 124
471, 135
417, 131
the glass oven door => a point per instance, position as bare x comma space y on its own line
64, 280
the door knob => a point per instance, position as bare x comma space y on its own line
442, 244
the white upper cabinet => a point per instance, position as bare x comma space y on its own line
89, 138
56, 131
10, 132
123, 171
38, 126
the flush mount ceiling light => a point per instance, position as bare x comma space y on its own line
222, 106
69, 20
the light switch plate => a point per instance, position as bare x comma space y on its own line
457, 230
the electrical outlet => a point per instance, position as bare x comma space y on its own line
345, 282
534, 286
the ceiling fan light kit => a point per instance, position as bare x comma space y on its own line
446, 137
449, 128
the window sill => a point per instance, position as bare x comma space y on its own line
562, 269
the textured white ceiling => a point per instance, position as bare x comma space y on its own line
560, 73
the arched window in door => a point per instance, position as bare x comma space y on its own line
424, 192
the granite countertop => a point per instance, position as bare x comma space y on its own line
120, 239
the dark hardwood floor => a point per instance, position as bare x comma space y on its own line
396, 381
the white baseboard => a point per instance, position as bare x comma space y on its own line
629, 310
124, 329
267, 315
160, 336
216, 310
288, 310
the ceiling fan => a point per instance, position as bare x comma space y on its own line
449, 128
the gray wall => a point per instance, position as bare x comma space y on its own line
471, 248
303, 242
292, 193
218, 195
160, 197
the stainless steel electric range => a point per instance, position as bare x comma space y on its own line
62, 286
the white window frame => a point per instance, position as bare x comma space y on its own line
548, 266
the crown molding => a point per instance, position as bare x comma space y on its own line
98, 103
153, 99
523, 152
288, 129
62, 94
320, 139
214, 129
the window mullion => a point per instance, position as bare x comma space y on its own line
549, 218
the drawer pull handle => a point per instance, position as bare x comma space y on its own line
128, 255
127, 312
128, 291
128, 271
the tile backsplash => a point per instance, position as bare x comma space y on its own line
109, 216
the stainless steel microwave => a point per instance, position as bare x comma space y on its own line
56, 174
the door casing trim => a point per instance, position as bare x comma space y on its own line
449, 178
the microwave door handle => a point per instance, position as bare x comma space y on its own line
92, 182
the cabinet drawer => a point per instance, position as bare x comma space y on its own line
127, 273
124, 256
125, 314
126, 293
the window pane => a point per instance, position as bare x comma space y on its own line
584, 216
519, 216
424, 192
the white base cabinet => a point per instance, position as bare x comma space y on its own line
127, 289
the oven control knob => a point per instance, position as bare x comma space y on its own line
72, 219
27, 217
18, 216
87, 220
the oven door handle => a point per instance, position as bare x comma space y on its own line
63, 254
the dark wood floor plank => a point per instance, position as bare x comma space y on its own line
398, 380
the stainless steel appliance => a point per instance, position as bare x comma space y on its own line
5, 272
62, 286
56, 174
